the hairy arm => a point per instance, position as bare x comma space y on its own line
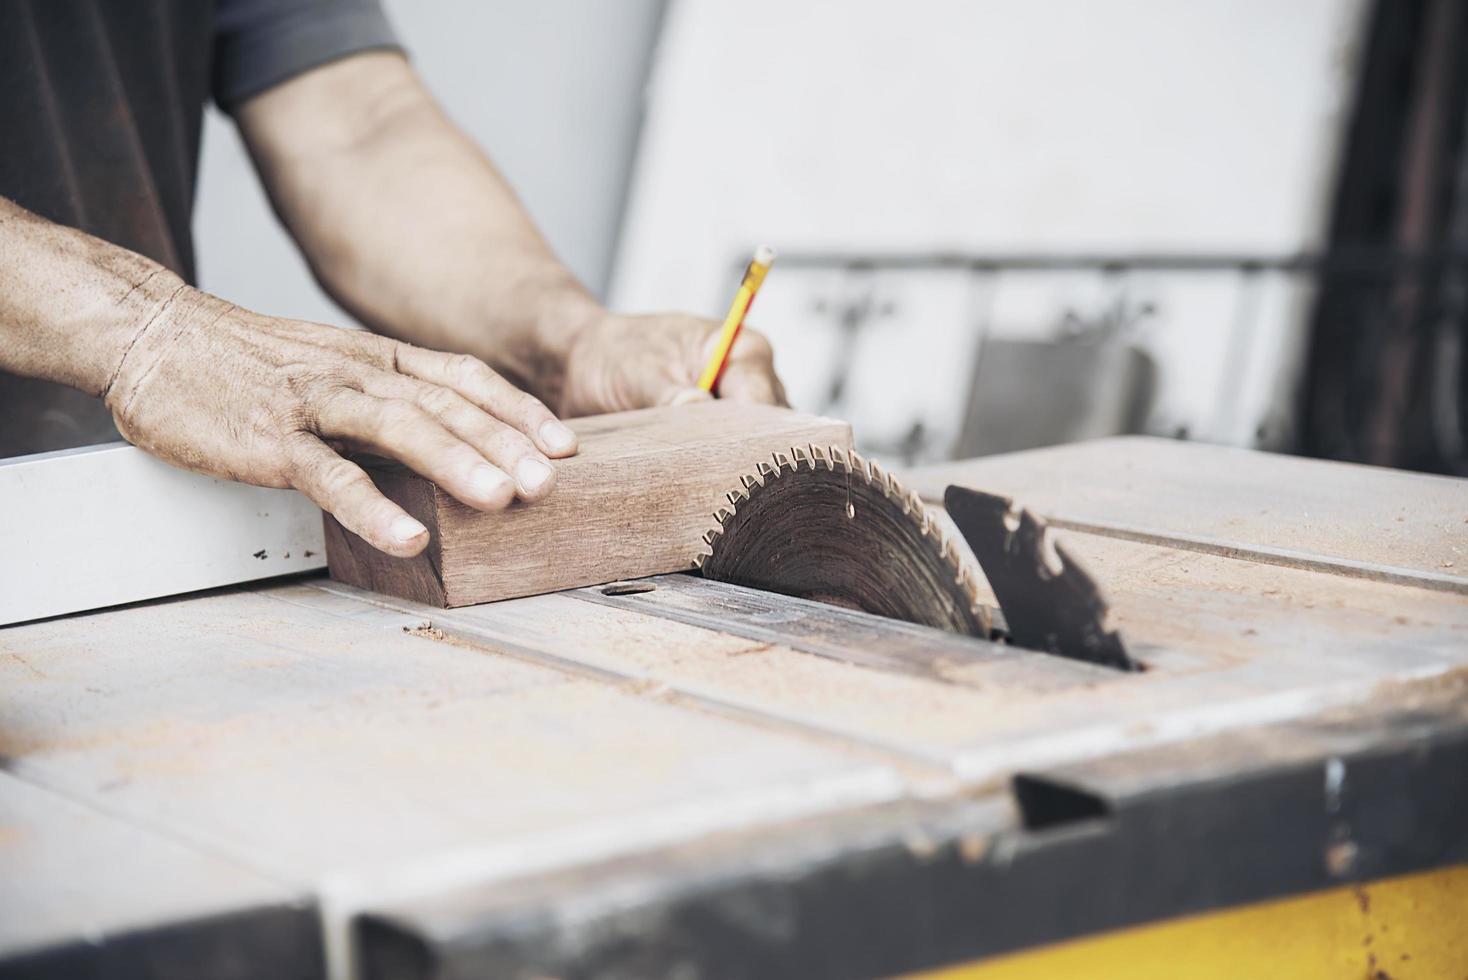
71, 304
410, 227
215, 388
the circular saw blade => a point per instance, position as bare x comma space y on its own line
824, 524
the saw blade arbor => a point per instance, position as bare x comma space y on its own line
825, 524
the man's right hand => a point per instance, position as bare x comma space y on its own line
217, 389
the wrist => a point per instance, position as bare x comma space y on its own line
556, 312
79, 306
562, 317
152, 298
154, 331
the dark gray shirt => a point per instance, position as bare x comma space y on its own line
101, 104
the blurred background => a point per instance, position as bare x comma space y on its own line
1001, 224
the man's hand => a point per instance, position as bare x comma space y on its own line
359, 158
220, 390
618, 363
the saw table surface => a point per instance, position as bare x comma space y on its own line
624, 780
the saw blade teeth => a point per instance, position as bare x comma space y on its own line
757, 507
881, 477
971, 582
945, 548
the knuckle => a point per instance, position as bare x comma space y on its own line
383, 350
381, 420
756, 344
507, 444
438, 401
300, 463
519, 406
394, 417
531, 407
309, 389
281, 421
326, 401
335, 476
301, 382
468, 369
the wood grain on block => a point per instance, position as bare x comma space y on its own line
634, 501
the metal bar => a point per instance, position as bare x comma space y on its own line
1363, 261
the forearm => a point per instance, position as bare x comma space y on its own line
71, 304
407, 224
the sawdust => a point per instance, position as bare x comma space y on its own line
753, 648
30, 667
1198, 603
776, 678
647, 687
426, 630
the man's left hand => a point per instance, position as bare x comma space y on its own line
618, 363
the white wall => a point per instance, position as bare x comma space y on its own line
1030, 125
986, 126
552, 89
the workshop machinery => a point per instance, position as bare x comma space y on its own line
1257, 770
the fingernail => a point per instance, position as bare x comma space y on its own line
405, 529
531, 474
487, 481
556, 436
687, 395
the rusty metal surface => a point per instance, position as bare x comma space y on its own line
1151, 835
375, 752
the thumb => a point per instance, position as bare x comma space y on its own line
745, 381
681, 388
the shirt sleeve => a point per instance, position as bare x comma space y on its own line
261, 43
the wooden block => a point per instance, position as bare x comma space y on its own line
634, 501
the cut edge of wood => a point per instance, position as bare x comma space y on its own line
351, 559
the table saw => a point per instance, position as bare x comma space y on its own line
678, 776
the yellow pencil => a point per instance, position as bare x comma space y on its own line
754, 276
